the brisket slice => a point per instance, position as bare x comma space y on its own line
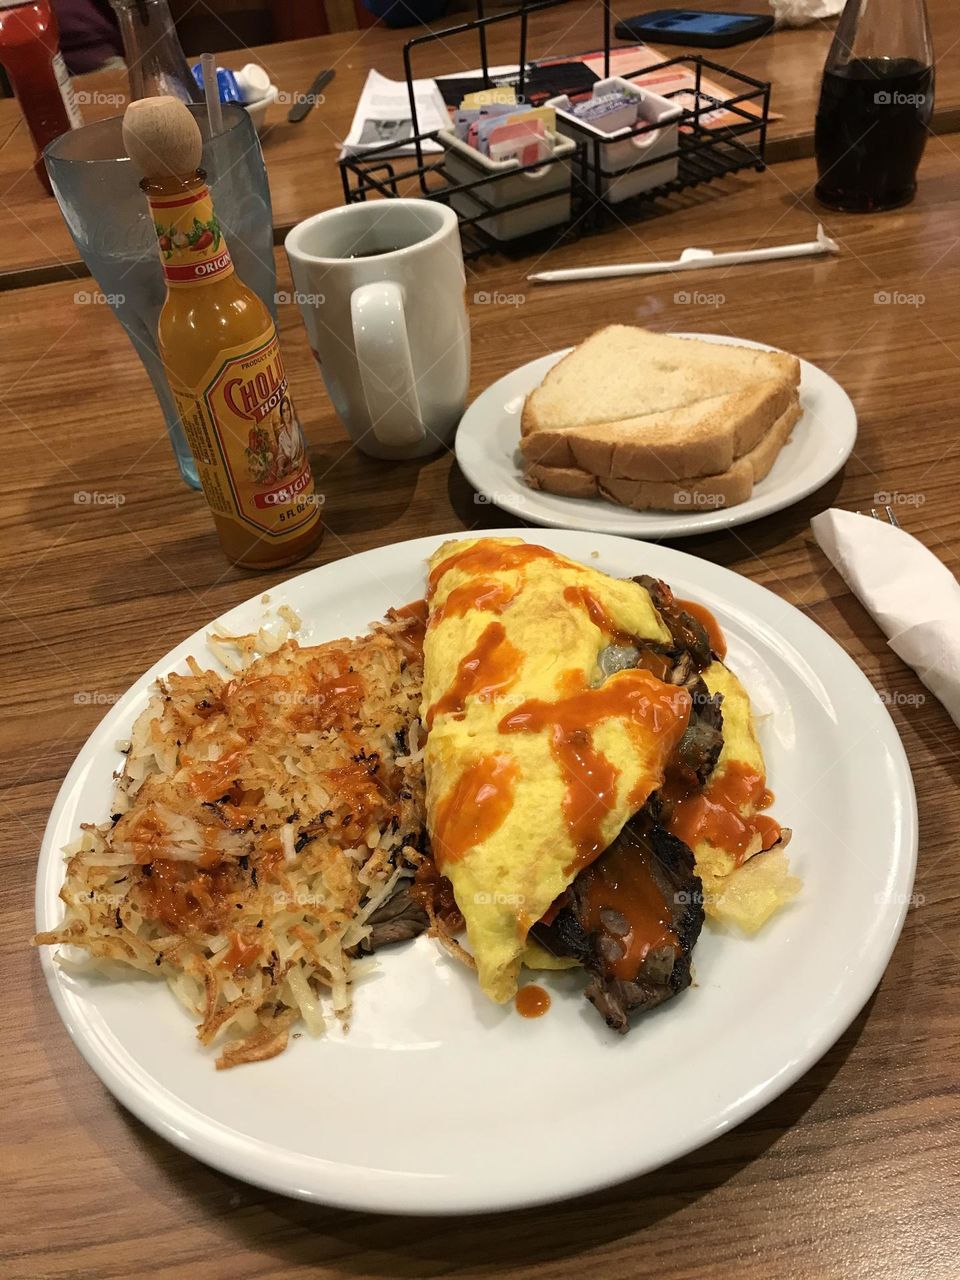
648, 857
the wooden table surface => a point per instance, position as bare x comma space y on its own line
301, 159
851, 1173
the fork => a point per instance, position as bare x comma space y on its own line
890, 516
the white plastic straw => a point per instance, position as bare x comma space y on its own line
690, 259
211, 91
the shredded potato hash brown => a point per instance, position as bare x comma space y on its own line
259, 821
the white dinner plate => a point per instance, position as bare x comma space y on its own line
488, 439
438, 1101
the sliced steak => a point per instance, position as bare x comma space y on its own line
631, 919
699, 749
678, 662
399, 918
687, 634
697, 752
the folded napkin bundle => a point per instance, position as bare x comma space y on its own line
912, 596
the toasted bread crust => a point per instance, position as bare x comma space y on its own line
724, 489
703, 439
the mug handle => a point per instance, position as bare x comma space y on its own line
385, 365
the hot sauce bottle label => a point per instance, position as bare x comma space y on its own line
246, 440
192, 248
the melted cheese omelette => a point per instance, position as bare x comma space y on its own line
532, 765
724, 823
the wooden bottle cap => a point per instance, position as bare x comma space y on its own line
162, 138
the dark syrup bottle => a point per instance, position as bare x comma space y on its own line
876, 101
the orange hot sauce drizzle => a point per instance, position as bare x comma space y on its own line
185, 897
474, 808
358, 790
532, 1001
416, 633
718, 641
623, 882
650, 660
634, 696
415, 609
595, 611
434, 892
217, 779
491, 666
486, 557
241, 952
486, 595
714, 814
147, 834
332, 698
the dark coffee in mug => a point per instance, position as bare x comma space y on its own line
375, 253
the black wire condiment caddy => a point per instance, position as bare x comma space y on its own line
577, 189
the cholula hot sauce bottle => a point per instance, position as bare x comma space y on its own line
218, 344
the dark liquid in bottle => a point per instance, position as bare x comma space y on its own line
871, 129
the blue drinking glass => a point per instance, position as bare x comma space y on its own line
107, 214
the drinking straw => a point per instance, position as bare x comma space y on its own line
211, 91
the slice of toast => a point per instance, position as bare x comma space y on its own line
699, 439
645, 406
723, 489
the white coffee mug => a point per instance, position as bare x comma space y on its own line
381, 289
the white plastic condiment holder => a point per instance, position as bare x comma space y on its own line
463, 163
624, 147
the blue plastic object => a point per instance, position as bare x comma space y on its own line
227, 85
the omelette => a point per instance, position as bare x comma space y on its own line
532, 764
724, 822
594, 779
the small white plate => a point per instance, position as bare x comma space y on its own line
438, 1101
488, 441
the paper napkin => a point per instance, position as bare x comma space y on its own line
912, 596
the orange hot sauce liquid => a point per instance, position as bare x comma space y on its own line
186, 897
476, 807
531, 1001
411, 640
591, 779
718, 641
487, 557
485, 594
488, 669
714, 813
619, 881
198, 322
595, 611
243, 952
